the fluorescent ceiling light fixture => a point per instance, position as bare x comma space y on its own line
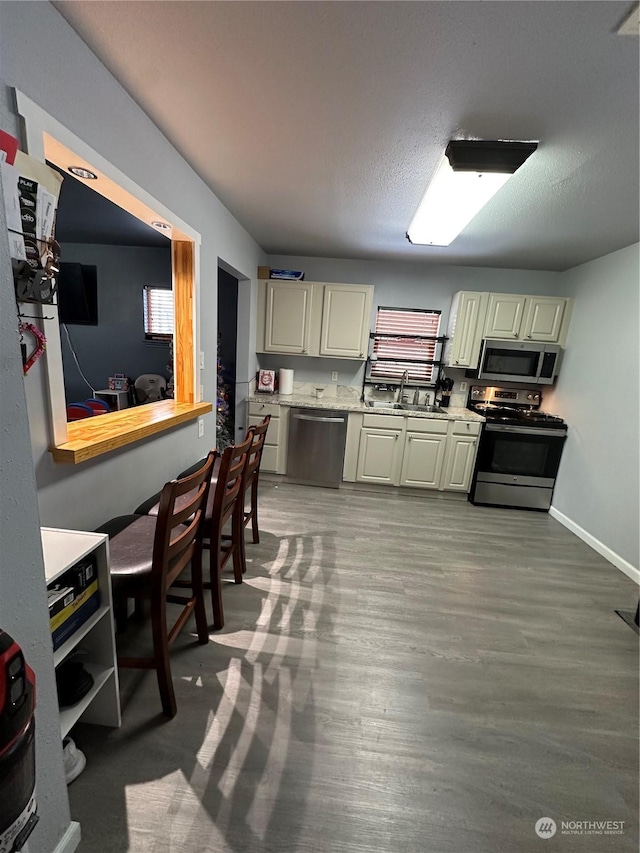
81, 172
469, 174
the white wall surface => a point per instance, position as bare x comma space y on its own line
23, 603
60, 73
597, 394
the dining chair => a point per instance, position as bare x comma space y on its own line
225, 504
147, 558
251, 476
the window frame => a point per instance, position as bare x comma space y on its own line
151, 336
405, 341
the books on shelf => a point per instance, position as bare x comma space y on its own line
72, 600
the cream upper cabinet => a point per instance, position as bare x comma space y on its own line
466, 323
379, 456
346, 316
287, 316
543, 318
423, 459
504, 316
313, 318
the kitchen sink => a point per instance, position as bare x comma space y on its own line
382, 404
404, 407
410, 407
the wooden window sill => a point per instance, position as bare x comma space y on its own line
100, 434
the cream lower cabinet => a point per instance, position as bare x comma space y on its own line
379, 456
274, 454
461, 456
422, 460
420, 453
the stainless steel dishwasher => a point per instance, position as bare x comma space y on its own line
317, 439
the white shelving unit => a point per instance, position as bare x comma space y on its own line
63, 549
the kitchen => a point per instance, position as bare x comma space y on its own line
595, 494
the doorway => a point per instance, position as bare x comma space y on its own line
226, 358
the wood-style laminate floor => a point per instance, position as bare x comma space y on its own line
396, 674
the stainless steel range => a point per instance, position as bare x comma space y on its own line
519, 451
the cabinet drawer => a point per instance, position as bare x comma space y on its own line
271, 437
466, 428
263, 409
269, 458
433, 425
383, 421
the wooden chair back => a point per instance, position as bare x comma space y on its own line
229, 483
180, 524
255, 452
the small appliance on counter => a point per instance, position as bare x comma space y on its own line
266, 382
519, 451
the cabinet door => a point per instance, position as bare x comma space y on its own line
466, 332
504, 316
346, 316
287, 316
379, 456
461, 456
543, 318
422, 460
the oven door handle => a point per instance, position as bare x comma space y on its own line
524, 430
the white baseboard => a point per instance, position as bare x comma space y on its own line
70, 840
602, 549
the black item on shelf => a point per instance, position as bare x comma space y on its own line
73, 682
78, 294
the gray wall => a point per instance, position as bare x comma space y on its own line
401, 285
116, 344
60, 73
597, 394
23, 607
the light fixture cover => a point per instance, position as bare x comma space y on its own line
469, 174
81, 172
161, 225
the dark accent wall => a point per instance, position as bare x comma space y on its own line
116, 344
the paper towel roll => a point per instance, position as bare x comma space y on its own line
285, 381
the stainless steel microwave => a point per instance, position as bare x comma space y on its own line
517, 361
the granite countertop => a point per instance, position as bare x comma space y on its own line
347, 404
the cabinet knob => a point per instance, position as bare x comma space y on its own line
468, 427
361, 354
395, 438
457, 362
529, 336
304, 349
515, 335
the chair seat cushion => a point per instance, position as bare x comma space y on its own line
146, 507
131, 550
117, 524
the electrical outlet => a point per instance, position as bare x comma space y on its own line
201, 360
200, 427
334, 375
463, 386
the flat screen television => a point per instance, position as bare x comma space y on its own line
78, 294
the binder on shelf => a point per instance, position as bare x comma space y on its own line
67, 622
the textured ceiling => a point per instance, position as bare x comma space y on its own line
319, 124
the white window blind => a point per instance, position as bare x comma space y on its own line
401, 345
158, 313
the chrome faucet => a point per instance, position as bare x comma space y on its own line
416, 397
405, 378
